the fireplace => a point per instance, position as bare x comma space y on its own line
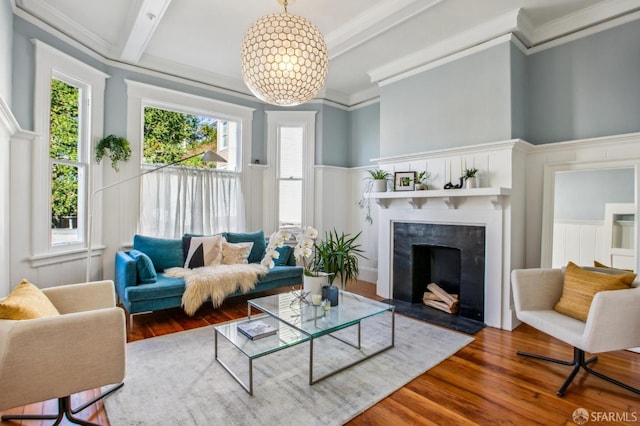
452, 256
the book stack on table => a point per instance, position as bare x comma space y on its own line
256, 329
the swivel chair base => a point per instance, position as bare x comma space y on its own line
64, 409
579, 362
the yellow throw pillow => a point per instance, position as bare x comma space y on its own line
581, 285
27, 301
597, 264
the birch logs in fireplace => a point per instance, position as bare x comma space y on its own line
440, 299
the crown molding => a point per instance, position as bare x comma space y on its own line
497, 27
449, 58
364, 104
577, 35
373, 22
67, 26
582, 19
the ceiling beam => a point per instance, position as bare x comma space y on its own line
147, 20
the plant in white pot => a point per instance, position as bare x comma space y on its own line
313, 280
470, 177
380, 179
422, 181
377, 181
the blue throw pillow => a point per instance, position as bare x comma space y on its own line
257, 238
164, 253
285, 253
146, 272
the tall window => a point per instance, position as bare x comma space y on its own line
68, 164
290, 154
68, 114
290, 177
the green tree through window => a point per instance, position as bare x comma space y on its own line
170, 136
63, 152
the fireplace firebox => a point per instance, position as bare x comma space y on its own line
452, 256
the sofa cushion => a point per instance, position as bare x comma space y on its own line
282, 272
144, 267
285, 254
164, 287
580, 286
202, 251
257, 238
26, 301
164, 253
238, 253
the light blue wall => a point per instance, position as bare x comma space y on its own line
6, 42
334, 149
582, 194
518, 93
456, 104
587, 88
365, 135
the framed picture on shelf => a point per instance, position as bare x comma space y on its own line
404, 181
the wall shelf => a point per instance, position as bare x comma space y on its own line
451, 197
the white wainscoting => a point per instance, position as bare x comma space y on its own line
580, 242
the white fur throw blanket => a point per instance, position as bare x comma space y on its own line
215, 282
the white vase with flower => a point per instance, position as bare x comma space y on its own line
313, 281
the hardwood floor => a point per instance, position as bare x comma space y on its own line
485, 383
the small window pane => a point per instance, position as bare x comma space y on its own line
64, 204
170, 136
290, 204
64, 119
290, 155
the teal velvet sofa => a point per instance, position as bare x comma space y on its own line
141, 290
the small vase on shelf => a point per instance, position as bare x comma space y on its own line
471, 183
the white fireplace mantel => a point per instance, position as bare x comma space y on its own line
451, 197
496, 221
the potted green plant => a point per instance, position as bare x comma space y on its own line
422, 181
116, 148
337, 255
470, 177
377, 181
380, 178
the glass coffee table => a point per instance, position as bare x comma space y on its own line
297, 323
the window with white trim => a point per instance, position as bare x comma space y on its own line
68, 116
183, 198
68, 162
291, 157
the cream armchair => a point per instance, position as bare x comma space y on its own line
613, 322
54, 357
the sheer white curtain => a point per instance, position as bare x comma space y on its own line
178, 200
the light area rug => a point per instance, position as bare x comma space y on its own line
175, 380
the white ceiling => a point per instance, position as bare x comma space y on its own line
369, 41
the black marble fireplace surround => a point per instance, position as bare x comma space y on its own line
452, 256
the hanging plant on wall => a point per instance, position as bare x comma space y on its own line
116, 148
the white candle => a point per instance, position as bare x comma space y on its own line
316, 299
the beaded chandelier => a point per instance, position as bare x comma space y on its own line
284, 59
